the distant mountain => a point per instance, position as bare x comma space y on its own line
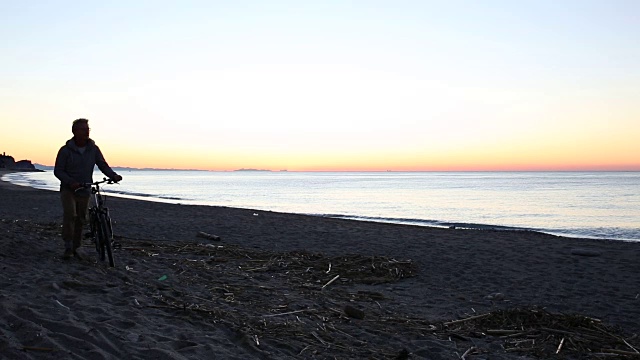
120, 168
43, 167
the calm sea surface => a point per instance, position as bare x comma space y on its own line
603, 205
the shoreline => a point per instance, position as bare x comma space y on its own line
264, 290
576, 234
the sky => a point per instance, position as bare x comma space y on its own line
326, 85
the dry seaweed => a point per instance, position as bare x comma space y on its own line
535, 331
308, 301
328, 292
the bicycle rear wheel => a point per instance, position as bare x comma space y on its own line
108, 247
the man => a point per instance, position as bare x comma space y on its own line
74, 166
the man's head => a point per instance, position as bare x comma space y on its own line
80, 129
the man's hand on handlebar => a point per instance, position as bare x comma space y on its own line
77, 186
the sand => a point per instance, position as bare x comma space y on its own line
264, 291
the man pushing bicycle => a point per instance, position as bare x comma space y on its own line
74, 166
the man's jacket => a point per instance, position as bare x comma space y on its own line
73, 166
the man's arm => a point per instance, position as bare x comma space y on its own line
59, 168
104, 167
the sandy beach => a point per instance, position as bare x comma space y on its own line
280, 286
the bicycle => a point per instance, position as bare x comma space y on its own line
101, 231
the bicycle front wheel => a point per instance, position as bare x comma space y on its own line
97, 234
105, 245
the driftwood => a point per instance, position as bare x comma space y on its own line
466, 319
35, 348
243, 288
331, 281
352, 312
287, 313
469, 351
585, 252
535, 331
249, 291
204, 235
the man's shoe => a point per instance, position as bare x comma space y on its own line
67, 254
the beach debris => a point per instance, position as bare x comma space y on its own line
204, 235
35, 348
402, 355
468, 352
264, 278
585, 252
330, 281
315, 335
466, 319
59, 303
305, 348
278, 297
239, 286
287, 313
543, 334
162, 278
495, 296
560, 346
353, 312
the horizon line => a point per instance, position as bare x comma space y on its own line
621, 169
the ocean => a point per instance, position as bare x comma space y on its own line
600, 205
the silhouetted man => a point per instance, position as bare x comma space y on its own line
74, 166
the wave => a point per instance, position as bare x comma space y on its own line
423, 222
142, 195
599, 233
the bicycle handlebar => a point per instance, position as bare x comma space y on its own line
89, 185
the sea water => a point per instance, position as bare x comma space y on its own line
602, 205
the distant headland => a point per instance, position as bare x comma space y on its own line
7, 162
